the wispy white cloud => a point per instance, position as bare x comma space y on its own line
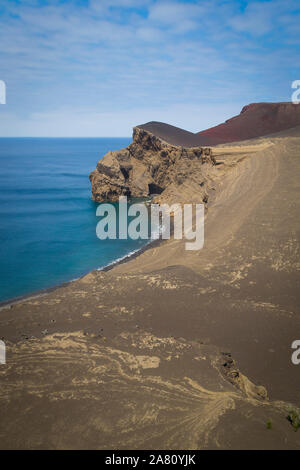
120, 57
263, 17
176, 15
256, 19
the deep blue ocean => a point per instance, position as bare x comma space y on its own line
47, 217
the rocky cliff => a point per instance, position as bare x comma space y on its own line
150, 166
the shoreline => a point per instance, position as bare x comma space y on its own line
200, 338
124, 259
41, 292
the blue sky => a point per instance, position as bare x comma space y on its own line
99, 67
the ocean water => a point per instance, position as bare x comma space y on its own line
47, 218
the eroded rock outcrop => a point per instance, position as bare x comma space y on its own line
149, 166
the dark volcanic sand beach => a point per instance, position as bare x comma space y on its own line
173, 349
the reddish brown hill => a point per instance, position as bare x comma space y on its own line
255, 120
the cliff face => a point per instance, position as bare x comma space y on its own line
151, 166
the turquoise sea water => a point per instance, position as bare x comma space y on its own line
47, 218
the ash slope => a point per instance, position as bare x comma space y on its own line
145, 356
255, 120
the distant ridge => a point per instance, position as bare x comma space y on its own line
255, 120
171, 134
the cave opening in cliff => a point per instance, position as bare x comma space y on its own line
154, 189
125, 173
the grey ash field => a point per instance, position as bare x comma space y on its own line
173, 349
